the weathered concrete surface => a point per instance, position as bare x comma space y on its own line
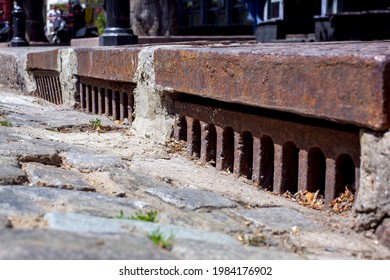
48, 176
372, 203
191, 199
8, 69
316, 80
383, 232
152, 107
14, 71
67, 74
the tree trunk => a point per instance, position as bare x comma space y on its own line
35, 26
155, 17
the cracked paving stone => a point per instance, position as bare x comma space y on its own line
202, 250
89, 162
74, 222
29, 152
277, 219
41, 244
11, 175
21, 200
191, 199
49, 176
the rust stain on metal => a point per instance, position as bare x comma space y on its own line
345, 83
274, 153
46, 60
115, 64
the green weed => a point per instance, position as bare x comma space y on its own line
96, 123
5, 123
161, 240
148, 216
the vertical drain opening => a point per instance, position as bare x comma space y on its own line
211, 140
267, 162
48, 86
290, 168
196, 138
116, 105
227, 155
124, 106
102, 103
89, 99
182, 128
109, 102
130, 107
345, 174
83, 96
95, 102
246, 161
316, 171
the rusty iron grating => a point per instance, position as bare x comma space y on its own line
48, 86
277, 154
102, 97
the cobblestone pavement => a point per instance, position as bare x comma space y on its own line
70, 192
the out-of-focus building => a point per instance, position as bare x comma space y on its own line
6, 7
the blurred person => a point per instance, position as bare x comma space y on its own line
78, 17
54, 17
256, 11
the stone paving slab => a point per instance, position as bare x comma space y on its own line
11, 175
43, 244
318, 245
21, 200
74, 222
3, 221
197, 250
10, 161
88, 162
49, 176
130, 180
209, 221
28, 152
277, 219
191, 199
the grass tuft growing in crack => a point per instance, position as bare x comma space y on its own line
158, 238
96, 124
5, 123
148, 216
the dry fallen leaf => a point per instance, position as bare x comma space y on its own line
344, 202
